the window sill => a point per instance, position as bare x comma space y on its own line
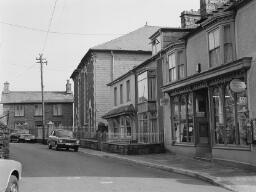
232, 147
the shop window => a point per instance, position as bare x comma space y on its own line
183, 118
218, 115
231, 116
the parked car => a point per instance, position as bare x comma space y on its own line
10, 174
26, 137
61, 138
14, 137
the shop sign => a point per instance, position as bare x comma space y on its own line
164, 101
237, 85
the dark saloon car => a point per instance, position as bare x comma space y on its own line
61, 138
14, 137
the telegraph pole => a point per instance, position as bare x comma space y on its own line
42, 61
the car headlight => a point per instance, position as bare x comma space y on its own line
60, 140
77, 142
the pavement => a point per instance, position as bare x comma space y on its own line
234, 177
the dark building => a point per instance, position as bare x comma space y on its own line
24, 109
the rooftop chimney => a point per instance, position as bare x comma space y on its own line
208, 6
68, 87
6, 87
189, 18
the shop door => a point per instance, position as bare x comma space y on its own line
202, 123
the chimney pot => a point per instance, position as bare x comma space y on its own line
68, 87
6, 87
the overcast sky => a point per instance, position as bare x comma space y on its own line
88, 22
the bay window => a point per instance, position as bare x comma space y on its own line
214, 47
172, 67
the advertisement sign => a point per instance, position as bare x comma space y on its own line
236, 85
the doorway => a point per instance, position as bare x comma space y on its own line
203, 142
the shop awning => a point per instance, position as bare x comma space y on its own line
210, 77
122, 110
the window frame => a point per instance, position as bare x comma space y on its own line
121, 92
40, 112
19, 110
115, 96
232, 42
59, 111
172, 68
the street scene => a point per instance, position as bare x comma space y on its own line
50, 170
127, 95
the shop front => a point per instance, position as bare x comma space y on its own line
209, 112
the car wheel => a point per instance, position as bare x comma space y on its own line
76, 149
13, 185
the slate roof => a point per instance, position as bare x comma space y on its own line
137, 40
35, 97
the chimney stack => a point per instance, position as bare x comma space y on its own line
68, 87
208, 6
189, 19
6, 87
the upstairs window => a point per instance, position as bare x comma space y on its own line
228, 47
121, 94
181, 64
172, 67
38, 110
143, 87
214, 48
57, 110
156, 45
19, 110
128, 88
115, 96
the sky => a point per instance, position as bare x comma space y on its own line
76, 25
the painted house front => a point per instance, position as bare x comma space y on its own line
211, 113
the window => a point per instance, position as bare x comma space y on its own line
19, 110
143, 87
57, 110
156, 45
115, 96
228, 47
128, 88
38, 110
182, 118
116, 125
214, 48
231, 116
128, 127
152, 88
181, 65
121, 94
57, 124
122, 126
172, 67
143, 127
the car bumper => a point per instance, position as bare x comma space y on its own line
67, 145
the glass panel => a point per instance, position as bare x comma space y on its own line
121, 93
227, 34
190, 117
218, 115
211, 41
172, 60
230, 115
228, 52
176, 108
242, 117
181, 71
143, 87
216, 38
183, 107
215, 57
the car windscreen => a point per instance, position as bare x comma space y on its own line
64, 133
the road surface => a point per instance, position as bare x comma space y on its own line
47, 170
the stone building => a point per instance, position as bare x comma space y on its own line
24, 109
101, 65
211, 109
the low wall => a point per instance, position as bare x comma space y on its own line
90, 144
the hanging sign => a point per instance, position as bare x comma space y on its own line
237, 85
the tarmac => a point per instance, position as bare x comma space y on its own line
234, 177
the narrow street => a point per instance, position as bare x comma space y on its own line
64, 171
